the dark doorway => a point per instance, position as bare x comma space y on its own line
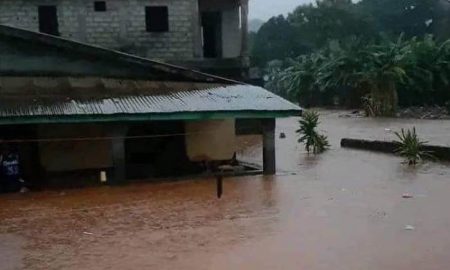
212, 34
20, 139
48, 20
157, 149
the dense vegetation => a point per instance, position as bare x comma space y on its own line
376, 53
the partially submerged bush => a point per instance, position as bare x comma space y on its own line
411, 147
371, 108
309, 136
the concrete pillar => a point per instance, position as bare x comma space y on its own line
81, 19
118, 134
197, 30
244, 29
269, 159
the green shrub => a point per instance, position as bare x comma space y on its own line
411, 147
313, 141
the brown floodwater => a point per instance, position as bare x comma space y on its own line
340, 210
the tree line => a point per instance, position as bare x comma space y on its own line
376, 53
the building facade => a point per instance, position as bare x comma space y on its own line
73, 110
209, 35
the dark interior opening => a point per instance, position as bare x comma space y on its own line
157, 149
19, 139
212, 34
157, 19
48, 20
100, 6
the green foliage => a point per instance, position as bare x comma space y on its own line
382, 50
316, 25
428, 73
313, 141
411, 147
310, 27
394, 17
276, 39
379, 68
377, 75
276, 82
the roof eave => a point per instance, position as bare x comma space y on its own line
186, 116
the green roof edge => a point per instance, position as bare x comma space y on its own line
70, 119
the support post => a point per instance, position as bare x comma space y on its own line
219, 186
118, 133
244, 29
269, 160
197, 30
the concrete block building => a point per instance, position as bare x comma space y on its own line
208, 35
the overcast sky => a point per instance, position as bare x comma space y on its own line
264, 9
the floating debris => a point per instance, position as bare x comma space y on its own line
407, 196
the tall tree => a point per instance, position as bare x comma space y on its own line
410, 17
276, 39
328, 20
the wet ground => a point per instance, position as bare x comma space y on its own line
341, 210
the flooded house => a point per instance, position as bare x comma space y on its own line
207, 35
79, 110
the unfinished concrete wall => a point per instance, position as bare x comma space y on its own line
231, 32
210, 140
74, 155
122, 26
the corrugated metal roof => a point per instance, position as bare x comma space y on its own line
235, 98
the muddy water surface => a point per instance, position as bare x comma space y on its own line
341, 210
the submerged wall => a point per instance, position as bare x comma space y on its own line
80, 147
74, 155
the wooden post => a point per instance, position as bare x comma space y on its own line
269, 160
219, 184
118, 133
